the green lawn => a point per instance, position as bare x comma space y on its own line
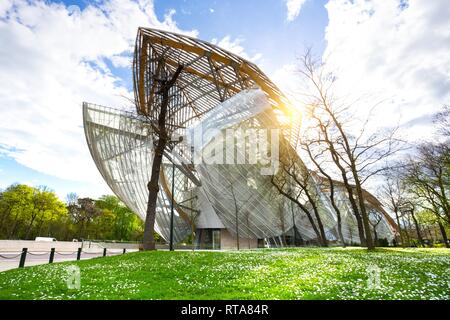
308, 273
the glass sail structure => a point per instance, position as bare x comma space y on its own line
232, 119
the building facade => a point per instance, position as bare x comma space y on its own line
230, 126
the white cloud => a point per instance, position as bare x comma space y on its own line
120, 61
398, 50
52, 59
285, 78
294, 7
235, 47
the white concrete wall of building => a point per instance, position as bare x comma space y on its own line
208, 218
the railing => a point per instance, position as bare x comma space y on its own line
51, 254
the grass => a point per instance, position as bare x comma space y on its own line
307, 273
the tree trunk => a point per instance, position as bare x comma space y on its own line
324, 242
362, 237
302, 207
339, 227
153, 188
40, 224
322, 238
49, 226
348, 187
399, 226
29, 227
13, 230
7, 213
416, 224
153, 185
444, 234
81, 229
363, 211
336, 209
443, 198
313, 225
408, 240
375, 235
332, 199
193, 237
237, 233
430, 234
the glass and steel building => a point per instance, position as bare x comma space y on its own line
232, 119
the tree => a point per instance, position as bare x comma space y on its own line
163, 134
43, 204
393, 196
15, 204
374, 219
442, 120
429, 172
123, 220
351, 151
421, 181
409, 209
25, 211
428, 175
297, 237
429, 223
83, 212
295, 182
315, 158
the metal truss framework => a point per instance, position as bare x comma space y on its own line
210, 76
213, 82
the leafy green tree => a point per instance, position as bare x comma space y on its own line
124, 222
27, 212
45, 205
82, 211
431, 224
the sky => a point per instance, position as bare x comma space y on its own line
56, 54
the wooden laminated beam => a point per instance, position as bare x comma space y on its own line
141, 80
244, 67
202, 75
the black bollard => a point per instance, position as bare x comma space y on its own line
104, 252
23, 257
52, 255
79, 254
124, 250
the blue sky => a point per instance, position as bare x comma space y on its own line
261, 27
399, 48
